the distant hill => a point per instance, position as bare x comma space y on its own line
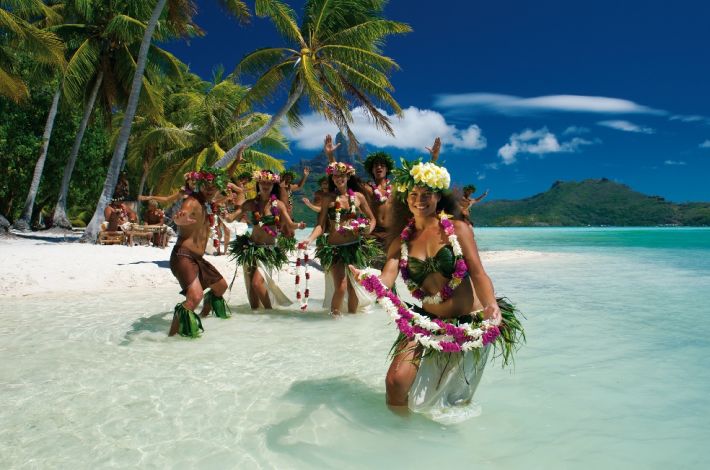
590, 202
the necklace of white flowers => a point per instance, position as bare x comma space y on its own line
351, 206
382, 198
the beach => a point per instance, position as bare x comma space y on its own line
612, 374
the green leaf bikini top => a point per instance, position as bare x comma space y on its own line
442, 262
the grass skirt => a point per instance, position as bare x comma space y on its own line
267, 260
360, 254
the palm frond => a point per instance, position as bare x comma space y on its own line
125, 29
237, 9
283, 17
82, 66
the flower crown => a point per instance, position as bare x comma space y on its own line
264, 176
417, 173
340, 168
208, 175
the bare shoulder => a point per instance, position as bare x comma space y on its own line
462, 229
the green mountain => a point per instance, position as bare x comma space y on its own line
590, 202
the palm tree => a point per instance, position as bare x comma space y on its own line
334, 59
44, 46
179, 14
208, 114
103, 61
9, 83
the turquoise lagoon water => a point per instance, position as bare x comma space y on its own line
614, 374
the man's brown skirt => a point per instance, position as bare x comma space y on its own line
186, 266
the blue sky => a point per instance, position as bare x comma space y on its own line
526, 93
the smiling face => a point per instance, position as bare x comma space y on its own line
265, 187
340, 180
379, 170
422, 201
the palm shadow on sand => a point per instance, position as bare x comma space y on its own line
351, 400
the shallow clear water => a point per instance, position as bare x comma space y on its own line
613, 374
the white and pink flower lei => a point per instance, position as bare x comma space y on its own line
338, 209
274, 203
460, 268
382, 198
434, 333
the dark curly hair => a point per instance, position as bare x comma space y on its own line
399, 213
382, 157
469, 188
288, 173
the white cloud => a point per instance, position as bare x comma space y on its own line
705, 145
688, 118
576, 130
538, 142
515, 105
416, 130
674, 162
626, 126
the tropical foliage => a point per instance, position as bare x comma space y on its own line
333, 58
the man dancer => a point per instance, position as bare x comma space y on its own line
379, 192
195, 220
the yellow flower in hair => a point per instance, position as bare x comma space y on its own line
402, 188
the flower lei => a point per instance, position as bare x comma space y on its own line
274, 203
434, 333
357, 225
382, 198
211, 211
460, 268
302, 266
339, 209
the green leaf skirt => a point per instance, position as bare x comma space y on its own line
246, 253
360, 254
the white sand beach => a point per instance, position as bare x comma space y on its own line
50, 263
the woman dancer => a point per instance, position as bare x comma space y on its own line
344, 220
264, 249
440, 264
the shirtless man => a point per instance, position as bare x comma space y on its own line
465, 203
318, 195
155, 216
117, 213
379, 191
186, 261
288, 187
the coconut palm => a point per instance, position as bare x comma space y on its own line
333, 59
209, 116
106, 36
48, 66
17, 33
179, 13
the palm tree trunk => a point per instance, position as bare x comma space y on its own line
114, 168
141, 186
60, 218
254, 137
23, 223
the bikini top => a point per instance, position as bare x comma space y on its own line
442, 262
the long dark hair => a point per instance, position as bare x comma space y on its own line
400, 214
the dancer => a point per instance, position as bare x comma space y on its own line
379, 165
264, 250
287, 186
195, 221
318, 195
340, 237
440, 264
465, 203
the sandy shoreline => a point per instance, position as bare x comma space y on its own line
43, 263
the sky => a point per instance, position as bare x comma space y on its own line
525, 93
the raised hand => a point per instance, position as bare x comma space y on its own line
307, 170
435, 149
329, 148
